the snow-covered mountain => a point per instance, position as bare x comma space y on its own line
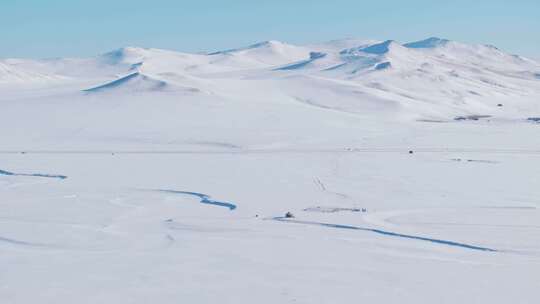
429, 77
429, 80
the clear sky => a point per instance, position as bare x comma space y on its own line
59, 28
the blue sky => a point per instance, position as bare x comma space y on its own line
58, 28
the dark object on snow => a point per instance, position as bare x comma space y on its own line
471, 117
364, 210
411, 152
500, 105
534, 119
289, 215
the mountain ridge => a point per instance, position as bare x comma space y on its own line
434, 74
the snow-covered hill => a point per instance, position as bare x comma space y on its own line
272, 89
433, 78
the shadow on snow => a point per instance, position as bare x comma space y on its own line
387, 233
205, 199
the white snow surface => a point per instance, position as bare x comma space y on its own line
154, 176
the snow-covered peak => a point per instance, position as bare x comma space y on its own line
125, 55
269, 44
342, 44
268, 53
381, 48
432, 42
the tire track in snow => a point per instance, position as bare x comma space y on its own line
323, 188
3, 172
20, 243
387, 233
205, 199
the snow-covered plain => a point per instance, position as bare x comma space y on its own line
153, 176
